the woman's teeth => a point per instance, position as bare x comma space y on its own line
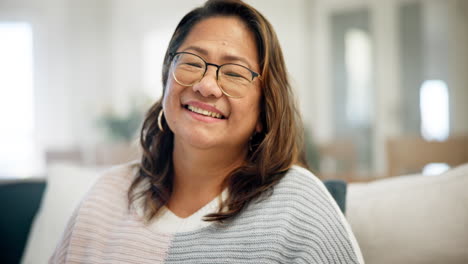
204, 112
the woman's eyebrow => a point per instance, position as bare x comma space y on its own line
237, 58
197, 49
227, 57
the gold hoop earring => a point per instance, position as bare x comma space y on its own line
161, 112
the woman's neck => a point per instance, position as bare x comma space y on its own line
199, 175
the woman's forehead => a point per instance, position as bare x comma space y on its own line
223, 38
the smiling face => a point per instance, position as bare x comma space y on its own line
200, 115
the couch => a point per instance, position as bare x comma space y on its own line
408, 219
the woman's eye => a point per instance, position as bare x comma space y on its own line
233, 74
236, 76
194, 64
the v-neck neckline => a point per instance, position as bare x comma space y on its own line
167, 222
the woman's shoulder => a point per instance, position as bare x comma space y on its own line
107, 198
119, 175
302, 173
301, 181
112, 186
306, 191
300, 195
303, 199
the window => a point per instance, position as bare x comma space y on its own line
358, 67
434, 105
154, 45
17, 154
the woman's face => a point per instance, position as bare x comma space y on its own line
217, 40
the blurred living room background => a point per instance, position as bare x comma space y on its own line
382, 84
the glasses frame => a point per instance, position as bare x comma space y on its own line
173, 54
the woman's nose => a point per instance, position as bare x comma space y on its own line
208, 85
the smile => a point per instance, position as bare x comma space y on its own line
203, 112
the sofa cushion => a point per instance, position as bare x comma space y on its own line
20, 201
66, 185
337, 189
412, 219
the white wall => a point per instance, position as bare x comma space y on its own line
132, 23
70, 64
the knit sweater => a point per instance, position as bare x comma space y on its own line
297, 223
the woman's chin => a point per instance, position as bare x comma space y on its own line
198, 140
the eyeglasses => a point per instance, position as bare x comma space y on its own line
234, 80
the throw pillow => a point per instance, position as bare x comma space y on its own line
66, 185
412, 219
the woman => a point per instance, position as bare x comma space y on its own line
220, 178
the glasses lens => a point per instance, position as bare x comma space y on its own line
234, 79
187, 68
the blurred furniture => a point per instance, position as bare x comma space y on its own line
117, 153
338, 159
407, 155
66, 185
72, 155
102, 154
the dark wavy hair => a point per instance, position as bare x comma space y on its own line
273, 151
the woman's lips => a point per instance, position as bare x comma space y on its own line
204, 109
203, 112
201, 117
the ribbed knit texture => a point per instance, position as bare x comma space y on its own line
297, 223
